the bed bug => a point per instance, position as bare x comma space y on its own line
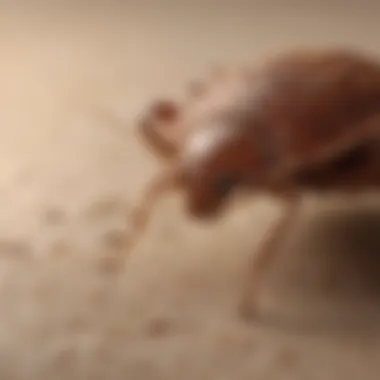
302, 121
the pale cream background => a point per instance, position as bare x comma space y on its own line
73, 79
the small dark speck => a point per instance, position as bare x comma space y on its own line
14, 248
109, 264
115, 239
105, 208
196, 88
159, 327
54, 216
287, 359
60, 248
65, 358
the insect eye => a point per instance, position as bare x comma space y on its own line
224, 184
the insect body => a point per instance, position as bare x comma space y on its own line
304, 121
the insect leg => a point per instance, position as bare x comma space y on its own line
267, 254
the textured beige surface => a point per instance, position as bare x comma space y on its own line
72, 80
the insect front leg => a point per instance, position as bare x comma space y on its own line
266, 255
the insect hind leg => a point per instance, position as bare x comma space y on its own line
264, 258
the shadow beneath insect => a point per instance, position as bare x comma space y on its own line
332, 275
351, 327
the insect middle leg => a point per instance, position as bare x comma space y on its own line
266, 255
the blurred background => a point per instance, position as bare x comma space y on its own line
74, 76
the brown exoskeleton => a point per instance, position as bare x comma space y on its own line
304, 121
